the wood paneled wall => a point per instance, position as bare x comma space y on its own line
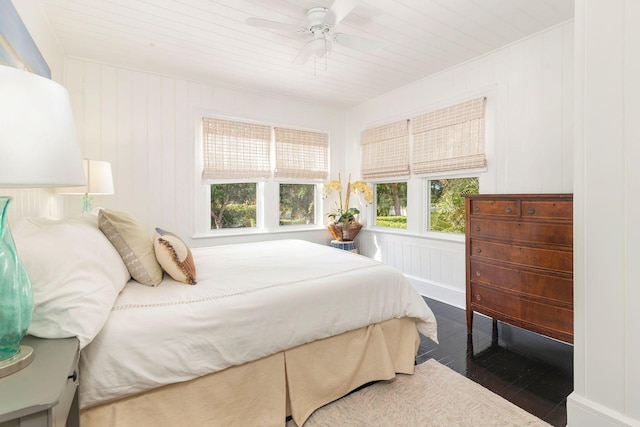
146, 126
606, 212
529, 86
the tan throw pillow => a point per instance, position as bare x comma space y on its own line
174, 256
133, 245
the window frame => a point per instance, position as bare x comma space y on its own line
317, 202
267, 197
374, 204
258, 219
426, 190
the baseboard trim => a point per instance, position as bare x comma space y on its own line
439, 292
582, 412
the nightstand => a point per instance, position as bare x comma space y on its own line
45, 393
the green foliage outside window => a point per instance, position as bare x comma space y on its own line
391, 205
447, 203
233, 205
297, 204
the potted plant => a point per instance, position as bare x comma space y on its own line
344, 225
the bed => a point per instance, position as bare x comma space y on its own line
271, 329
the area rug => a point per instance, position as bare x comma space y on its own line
434, 396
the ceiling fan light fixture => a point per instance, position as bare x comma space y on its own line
319, 22
319, 47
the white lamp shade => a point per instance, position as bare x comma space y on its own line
99, 179
38, 143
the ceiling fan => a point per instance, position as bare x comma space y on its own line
318, 26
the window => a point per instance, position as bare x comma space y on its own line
449, 139
446, 141
385, 151
391, 204
301, 154
235, 150
297, 204
446, 203
245, 165
233, 205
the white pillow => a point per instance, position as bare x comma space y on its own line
76, 275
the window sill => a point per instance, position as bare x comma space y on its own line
431, 235
235, 232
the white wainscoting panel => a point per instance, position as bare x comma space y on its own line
436, 267
529, 144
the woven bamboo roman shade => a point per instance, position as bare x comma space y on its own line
385, 151
235, 150
449, 139
301, 154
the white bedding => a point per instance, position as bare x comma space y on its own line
251, 300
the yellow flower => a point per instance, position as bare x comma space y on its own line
364, 188
331, 186
344, 213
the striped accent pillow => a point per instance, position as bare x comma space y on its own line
133, 245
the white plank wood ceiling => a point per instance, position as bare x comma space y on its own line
210, 40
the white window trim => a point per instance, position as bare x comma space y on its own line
268, 212
317, 201
426, 192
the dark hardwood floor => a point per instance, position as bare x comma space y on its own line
532, 371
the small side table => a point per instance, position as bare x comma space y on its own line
45, 393
345, 246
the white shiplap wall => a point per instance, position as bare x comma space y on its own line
146, 125
529, 86
606, 211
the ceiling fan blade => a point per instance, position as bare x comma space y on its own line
339, 9
265, 23
305, 53
358, 43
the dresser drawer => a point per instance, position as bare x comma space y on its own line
522, 311
509, 208
61, 413
523, 231
541, 258
556, 288
560, 209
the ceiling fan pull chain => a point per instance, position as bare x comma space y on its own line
326, 53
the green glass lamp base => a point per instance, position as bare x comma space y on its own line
86, 203
17, 362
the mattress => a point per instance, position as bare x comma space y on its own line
251, 301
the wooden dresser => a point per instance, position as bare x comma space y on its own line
519, 254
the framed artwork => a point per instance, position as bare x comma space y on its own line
17, 48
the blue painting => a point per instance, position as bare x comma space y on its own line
17, 48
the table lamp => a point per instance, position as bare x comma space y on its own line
38, 148
99, 181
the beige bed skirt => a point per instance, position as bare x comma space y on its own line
261, 393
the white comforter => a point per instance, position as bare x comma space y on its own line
251, 300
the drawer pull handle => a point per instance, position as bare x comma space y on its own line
532, 211
478, 250
508, 210
478, 297
478, 273
477, 208
477, 228
73, 376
